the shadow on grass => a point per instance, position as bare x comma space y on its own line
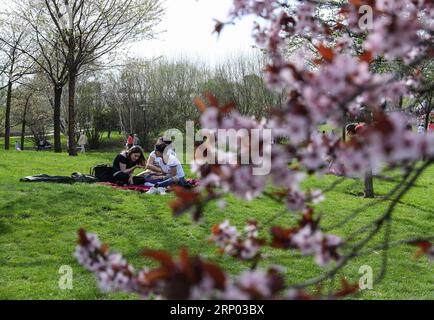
3, 228
381, 198
416, 207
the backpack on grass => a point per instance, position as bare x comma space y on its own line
103, 172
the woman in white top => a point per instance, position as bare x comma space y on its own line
155, 163
172, 165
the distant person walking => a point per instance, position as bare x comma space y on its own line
136, 140
431, 127
82, 142
130, 141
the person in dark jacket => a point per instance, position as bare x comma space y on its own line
126, 162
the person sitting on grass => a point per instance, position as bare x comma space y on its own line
155, 164
176, 172
44, 145
169, 146
125, 163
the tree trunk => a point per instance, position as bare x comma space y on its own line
23, 127
401, 102
344, 133
71, 112
145, 131
369, 184
58, 89
369, 180
8, 117
23, 132
108, 135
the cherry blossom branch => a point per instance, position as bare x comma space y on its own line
377, 224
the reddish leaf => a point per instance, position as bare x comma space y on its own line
252, 222
185, 200
186, 194
281, 237
344, 11
105, 249
366, 57
339, 26
271, 69
359, 3
327, 53
297, 75
228, 107
218, 26
308, 215
346, 290
215, 229
382, 123
212, 99
254, 293
201, 106
82, 238
178, 206
216, 273
161, 256
186, 266
424, 247
276, 281
157, 275
318, 61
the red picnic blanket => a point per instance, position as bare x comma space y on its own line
142, 188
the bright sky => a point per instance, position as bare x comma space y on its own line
189, 25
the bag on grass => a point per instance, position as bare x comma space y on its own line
48, 178
84, 178
103, 172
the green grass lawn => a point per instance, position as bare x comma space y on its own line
38, 224
116, 141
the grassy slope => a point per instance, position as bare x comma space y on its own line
38, 224
116, 140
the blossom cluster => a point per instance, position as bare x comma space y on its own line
231, 242
309, 239
400, 27
389, 140
426, 248
113, 272
187, 277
